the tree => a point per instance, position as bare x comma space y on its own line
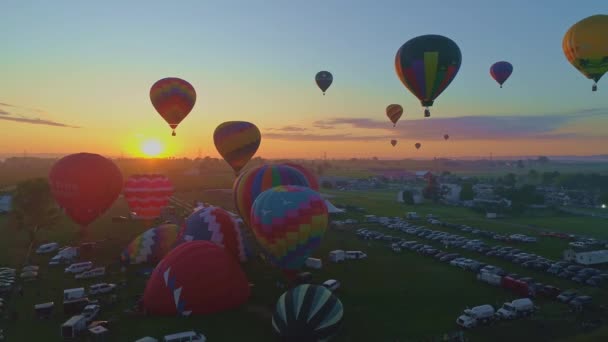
520, 164
408, 197
34, 208
510, 179
533, 175
431, 191
467, 193
542, 160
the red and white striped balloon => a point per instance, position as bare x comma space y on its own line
147, 195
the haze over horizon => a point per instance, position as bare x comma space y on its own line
76, 77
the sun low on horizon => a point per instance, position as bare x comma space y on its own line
152, 148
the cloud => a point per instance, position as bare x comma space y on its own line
37, 121
289, 129
3, 112
464, 127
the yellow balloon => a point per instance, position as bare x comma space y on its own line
586, 46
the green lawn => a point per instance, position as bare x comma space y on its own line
388, 297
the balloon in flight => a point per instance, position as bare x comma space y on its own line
394, 112
173, 98
500, 71
446, 136
324, 80
417, 145
237, 142
393, 142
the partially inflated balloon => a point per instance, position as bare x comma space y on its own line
152, 245
237, 142
289, 222
173, 98
417, 145
254, 181
393, 142
324, 80
85, 185
426, 65
147, 195
312, 178
394, 112
500, 71
586, 47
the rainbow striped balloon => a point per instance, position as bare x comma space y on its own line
394, 112
289, 223
173, 98
237, 142
152, 245
253, 182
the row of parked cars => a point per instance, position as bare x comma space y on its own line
486, 233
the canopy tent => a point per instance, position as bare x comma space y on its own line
332, 209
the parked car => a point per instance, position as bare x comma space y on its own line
101, 288
580, 302
567, 296
96, 272
331, 284
79, 267
47, 248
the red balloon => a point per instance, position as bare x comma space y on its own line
147, 195
85, 185
312, 179
197, 277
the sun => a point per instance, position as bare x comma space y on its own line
151, 148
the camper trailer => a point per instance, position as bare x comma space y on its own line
337, 255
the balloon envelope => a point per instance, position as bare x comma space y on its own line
253, 182
307, 313
147, 195
216, 225
393, 142
417, 145
197, 277
446, 137
310, 176
289, 223
152, 245
426, 65
237, 142
394, 112
324, 80
585, 45
500, 71
85, 185
173, 98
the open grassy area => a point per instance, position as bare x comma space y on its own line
387, 297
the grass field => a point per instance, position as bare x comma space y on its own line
387, 297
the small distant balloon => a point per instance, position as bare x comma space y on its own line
324, 80
393, 142
500, 71
394, 112
446, 136
417, 145
173, 98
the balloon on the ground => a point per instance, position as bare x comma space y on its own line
198, 278
237, 142
85, 185
148, 194
289, 223
500, 71
216, 225
254, 181
152, 245
307, 313
393, 142
394, 112
173, 98
426, 65
312, 178
324, 80
586, 47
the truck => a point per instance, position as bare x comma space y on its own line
519, 287
490, 278
73, 326
337, 255
517, 308
478, 315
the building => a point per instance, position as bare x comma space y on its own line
5, 203
451, 192
587, 258
423, 174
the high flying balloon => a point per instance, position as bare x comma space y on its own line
394, 112
324, 80
147, 195
426, 65
85, 185
417, 145
500, 71
237, 142
393, 142
289, 223
173, 98
586, 47
446, 136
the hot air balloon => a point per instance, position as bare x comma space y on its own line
311, 177
198, 278
417, 145
173, 98
586, 47
394, 112
324, 80
446, 136
288, 223
237, 142
393, 142
307, 313
253, 182
147, 195
426, 65
216, 225
500, 71
85, 185
152, 245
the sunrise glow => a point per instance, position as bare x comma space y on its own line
152, 148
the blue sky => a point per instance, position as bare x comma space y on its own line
90, 64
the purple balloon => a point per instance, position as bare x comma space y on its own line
500, 71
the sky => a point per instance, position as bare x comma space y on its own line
75, 77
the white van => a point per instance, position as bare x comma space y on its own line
337, 255
331, 284
79, 267
101, 288
68, 252
187, 336
355, 255
96, 272
73, 294
47, 248
314, 263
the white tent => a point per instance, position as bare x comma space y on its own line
332, 209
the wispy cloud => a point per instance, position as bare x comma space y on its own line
17, 115
288, 129
464, 127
